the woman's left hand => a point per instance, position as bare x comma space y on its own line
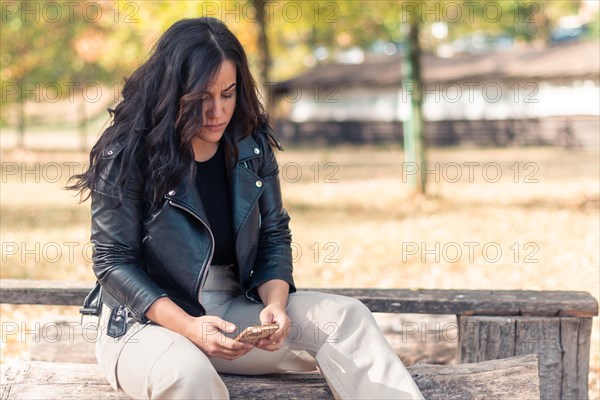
274, 314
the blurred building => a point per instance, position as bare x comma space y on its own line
518, 96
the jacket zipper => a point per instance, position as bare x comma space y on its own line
212, 248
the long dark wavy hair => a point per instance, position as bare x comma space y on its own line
161, 110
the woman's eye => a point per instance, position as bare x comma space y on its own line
228, 95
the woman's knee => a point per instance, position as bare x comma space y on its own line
348, 306
353, 312
185, 376
324, 308
355, 305
319, 318
161, 364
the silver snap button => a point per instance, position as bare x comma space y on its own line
110, 152
256, 150
258, 184
171, 193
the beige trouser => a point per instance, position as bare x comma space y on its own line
338, 334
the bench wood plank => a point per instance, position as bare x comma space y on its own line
505, 379
421, 301
553, 314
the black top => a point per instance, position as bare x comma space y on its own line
213, 185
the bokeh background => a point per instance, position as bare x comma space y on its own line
510, 104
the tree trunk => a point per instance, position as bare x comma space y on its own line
264, 54
82, 124
414, 143
21, 118
506, 379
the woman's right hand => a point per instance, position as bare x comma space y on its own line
206, 333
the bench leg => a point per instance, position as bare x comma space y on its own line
562, 345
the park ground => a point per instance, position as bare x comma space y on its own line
517, 218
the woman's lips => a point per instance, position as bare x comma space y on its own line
215, 127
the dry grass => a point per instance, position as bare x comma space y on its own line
362, 230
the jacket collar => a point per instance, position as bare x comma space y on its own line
243, 185
247, 149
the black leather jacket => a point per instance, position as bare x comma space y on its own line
139, 258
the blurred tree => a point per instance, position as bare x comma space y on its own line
264, 55
56, 51
593, 31
323, 30
530, 21
312, 32
25, 48
414, 138
67, 45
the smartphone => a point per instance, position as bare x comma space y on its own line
253, 333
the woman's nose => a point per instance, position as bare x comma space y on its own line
214, 108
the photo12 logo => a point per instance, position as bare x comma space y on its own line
49, 172
293, 92
472, 92
454, 11
288, 11
471, 252
49, 252
53, 12
53, 92
453, 172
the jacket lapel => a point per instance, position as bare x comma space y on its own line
189, 197
245, 189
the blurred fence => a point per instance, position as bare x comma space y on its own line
567, 131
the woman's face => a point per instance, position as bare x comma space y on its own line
217, 106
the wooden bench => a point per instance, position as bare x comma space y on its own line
511, 344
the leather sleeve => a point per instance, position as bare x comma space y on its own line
274, 254
116, 235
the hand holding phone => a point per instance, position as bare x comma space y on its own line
254, 333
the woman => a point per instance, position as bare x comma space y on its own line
191, 242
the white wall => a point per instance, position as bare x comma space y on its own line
466, 100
